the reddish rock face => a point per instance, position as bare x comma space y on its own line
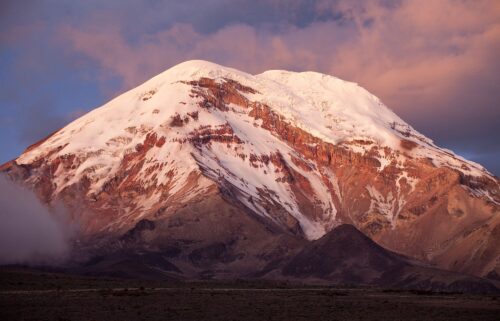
403, 202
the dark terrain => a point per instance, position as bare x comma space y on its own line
342, 256
37, 295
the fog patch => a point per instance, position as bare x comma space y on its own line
29, 232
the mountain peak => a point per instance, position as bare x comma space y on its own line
195, 69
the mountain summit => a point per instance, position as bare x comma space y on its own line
220, 165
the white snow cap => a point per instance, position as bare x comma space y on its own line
328, 108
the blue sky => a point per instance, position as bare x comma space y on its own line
435, 65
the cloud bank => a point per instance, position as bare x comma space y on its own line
29, 233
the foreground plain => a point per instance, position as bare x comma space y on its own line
32, 295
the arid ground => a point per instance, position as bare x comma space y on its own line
32, 295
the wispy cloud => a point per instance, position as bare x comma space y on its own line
29, 233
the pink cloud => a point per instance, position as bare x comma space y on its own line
418, 58
421, 52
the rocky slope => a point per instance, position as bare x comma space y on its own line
346, 256
296, 153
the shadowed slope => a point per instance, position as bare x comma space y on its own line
347, 256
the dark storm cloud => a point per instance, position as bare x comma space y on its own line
434, 64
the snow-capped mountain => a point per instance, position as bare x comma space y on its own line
299, 153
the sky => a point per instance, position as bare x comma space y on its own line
435, 63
